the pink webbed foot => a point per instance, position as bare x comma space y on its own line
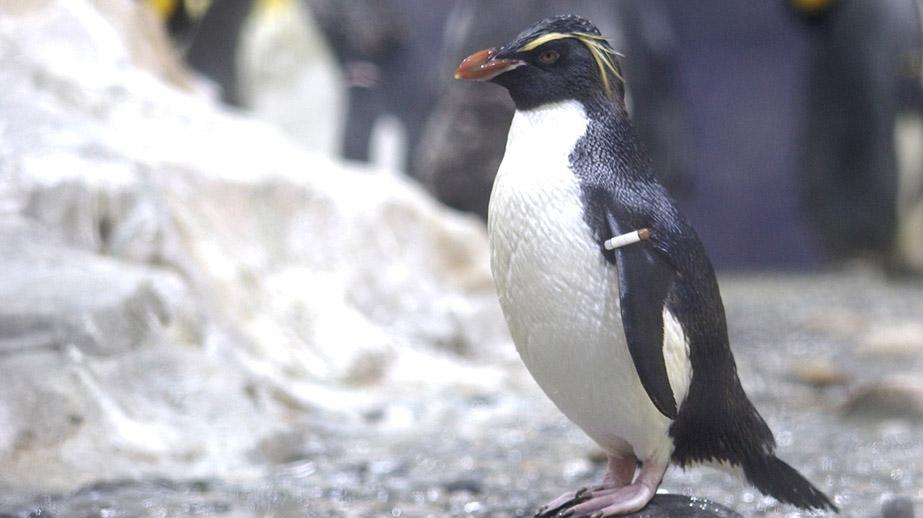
612, 502
620, 500
619, 473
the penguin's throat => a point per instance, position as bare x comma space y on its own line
549, 130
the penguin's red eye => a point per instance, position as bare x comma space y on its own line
548, 57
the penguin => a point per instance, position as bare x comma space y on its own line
629, 342
181, 16
207, 33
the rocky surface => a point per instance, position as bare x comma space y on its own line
181, 282
501, 450
897, 507
680, 506
197, 317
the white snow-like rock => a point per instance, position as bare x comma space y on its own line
181, 282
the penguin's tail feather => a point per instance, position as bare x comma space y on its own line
772, 476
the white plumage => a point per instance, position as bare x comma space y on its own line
561, 298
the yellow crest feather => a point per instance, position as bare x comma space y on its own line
602, 55
543, 39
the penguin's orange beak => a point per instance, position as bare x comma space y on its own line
481, 66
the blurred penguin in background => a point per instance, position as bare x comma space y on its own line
215, 44
385, 48
863, 132
207, 33
181, 17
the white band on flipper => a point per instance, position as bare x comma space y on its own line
627, 239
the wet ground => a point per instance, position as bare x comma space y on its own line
807, 348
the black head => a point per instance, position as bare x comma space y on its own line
556, 59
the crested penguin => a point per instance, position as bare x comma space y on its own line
628, 340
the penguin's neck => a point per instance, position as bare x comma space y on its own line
561, 135
547, 131
536, 168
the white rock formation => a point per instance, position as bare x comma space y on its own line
180, 283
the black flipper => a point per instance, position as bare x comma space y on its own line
645, 279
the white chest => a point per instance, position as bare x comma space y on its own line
558, 294
546, 266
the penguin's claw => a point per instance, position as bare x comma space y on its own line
563, 503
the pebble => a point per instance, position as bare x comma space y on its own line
896, 506
836, 322
597, 456
819, 374
471, 485
897, 396
682, 506
897, 339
